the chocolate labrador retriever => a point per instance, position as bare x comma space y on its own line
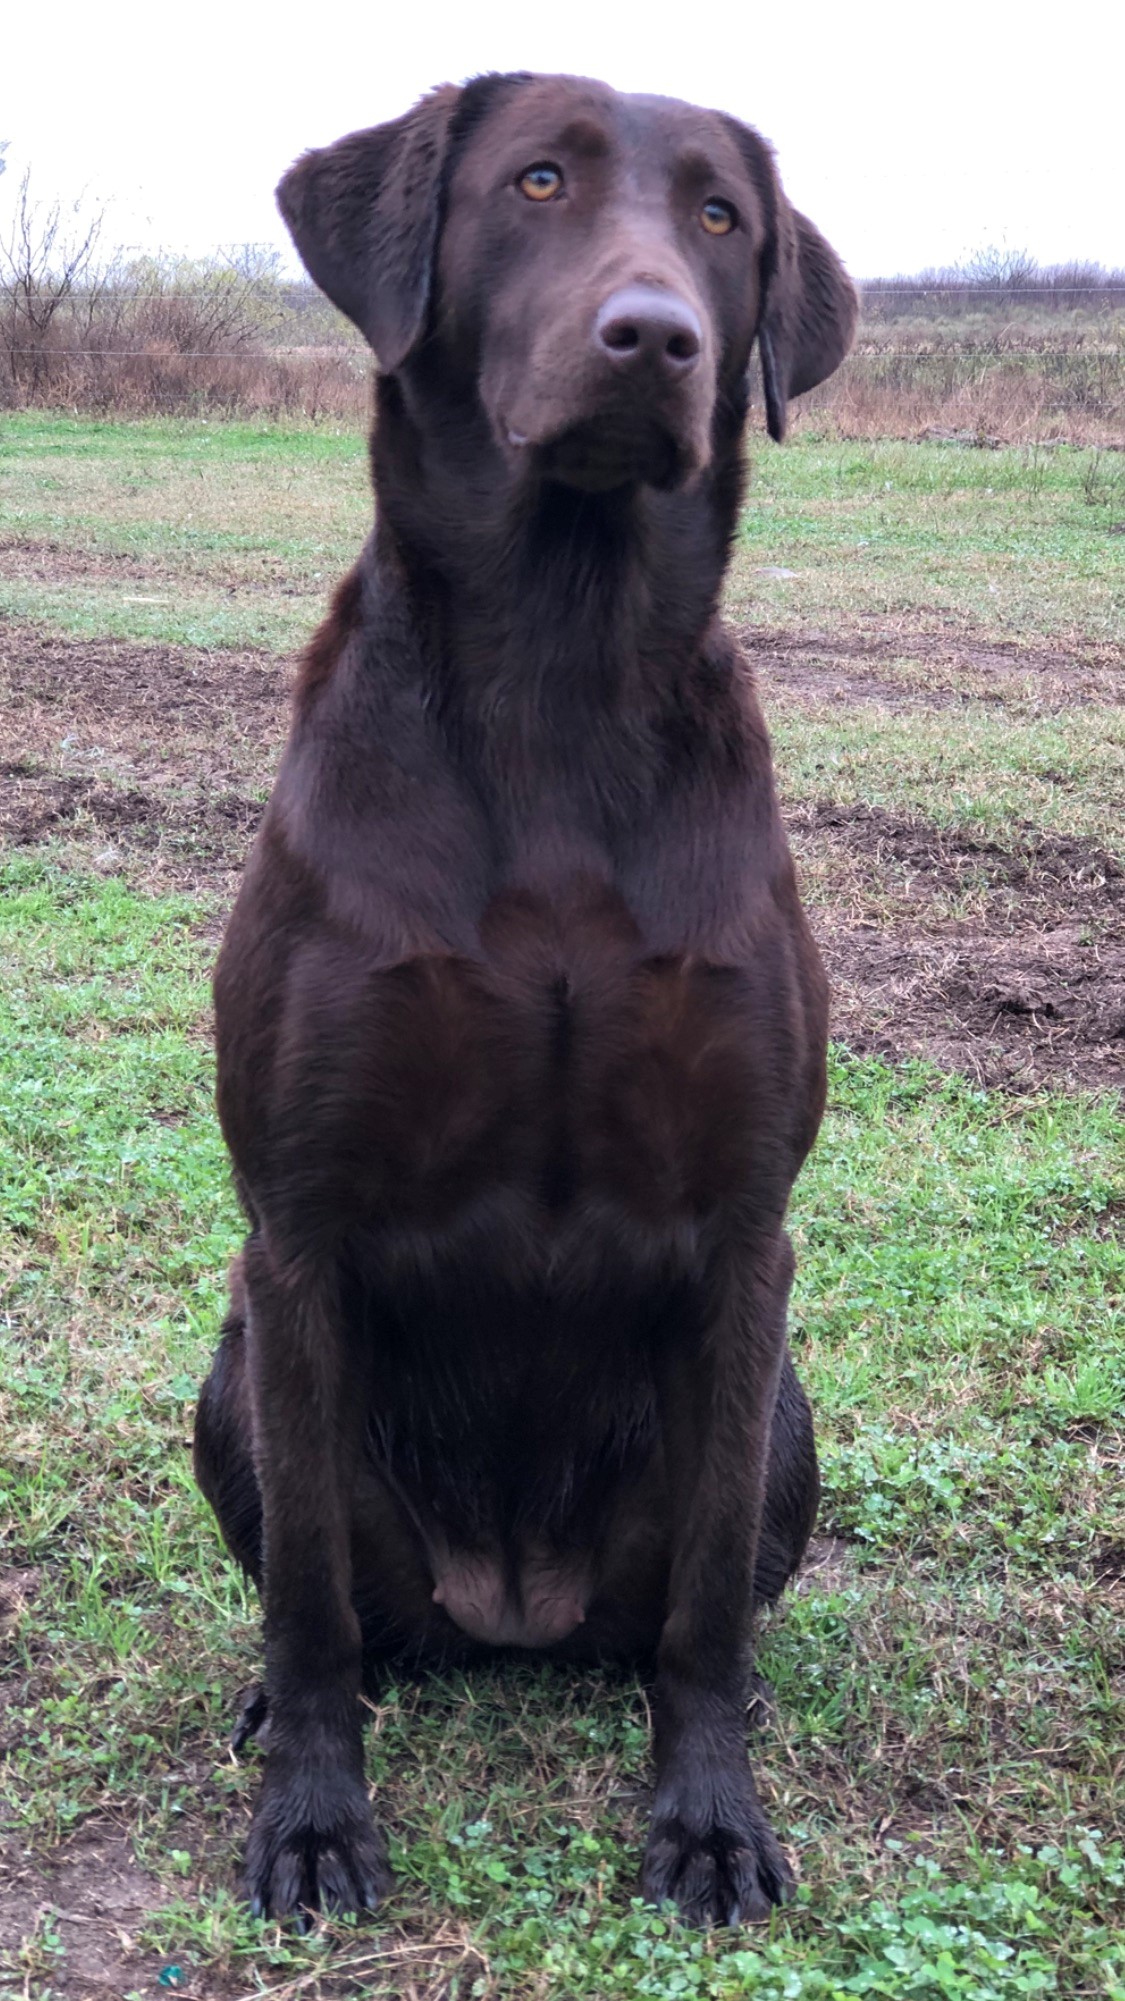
521, 1030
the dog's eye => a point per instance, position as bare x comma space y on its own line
540, 182
717, 217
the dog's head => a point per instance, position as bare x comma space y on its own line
598, 265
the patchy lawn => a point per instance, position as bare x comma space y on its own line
939, 1740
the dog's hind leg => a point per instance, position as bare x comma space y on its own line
792, 1489
224, 1468
224, 1461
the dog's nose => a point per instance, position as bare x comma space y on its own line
640, 324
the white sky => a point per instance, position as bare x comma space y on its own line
912, 133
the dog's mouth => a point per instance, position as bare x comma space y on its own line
602, 454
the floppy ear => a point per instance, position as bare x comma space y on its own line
364, 215
808, 314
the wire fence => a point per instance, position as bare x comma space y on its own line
865, 348
165, 353
875, 288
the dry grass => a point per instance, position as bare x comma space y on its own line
1012, 389
123, 380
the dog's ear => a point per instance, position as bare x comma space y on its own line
808, 304
808, 314
364, 215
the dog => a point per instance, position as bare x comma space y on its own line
521, 1030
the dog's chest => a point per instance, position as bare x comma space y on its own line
561, 1065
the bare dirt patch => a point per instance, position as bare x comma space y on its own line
17, 1589
47, 562
918, 669
1027, 989
828, 1565
68, 1926
155, 757
185, 839
158, 705
40, 561
914, 866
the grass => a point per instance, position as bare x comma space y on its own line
1011, 362
1009, 541
145, 513
961, 1319
942, 1747
979, 769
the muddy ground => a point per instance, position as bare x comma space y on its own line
1029, 991
156, 760
1003, 961
1001, 958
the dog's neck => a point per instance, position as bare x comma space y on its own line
560, 633
537, 596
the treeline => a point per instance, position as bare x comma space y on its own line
998, 284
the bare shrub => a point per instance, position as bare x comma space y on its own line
163, 333
198, 306
997, 285
51, 279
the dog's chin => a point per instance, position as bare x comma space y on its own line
601, 456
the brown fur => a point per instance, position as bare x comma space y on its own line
521, 1030
328, 642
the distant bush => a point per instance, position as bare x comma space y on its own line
162, 332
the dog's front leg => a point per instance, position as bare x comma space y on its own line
313, 1843
711, 1849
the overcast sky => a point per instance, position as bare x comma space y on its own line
912, 133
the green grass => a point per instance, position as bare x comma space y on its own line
145, 510
978, 769
943, 1753
1015, 541
960, 1315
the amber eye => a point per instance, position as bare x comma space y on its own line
540, 182
717, 217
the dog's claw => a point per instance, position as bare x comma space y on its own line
718, 1865
314, 1848
250, 1719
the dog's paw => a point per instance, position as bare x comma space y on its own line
314, 1847
712, 1852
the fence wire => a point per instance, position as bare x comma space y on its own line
949, 352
